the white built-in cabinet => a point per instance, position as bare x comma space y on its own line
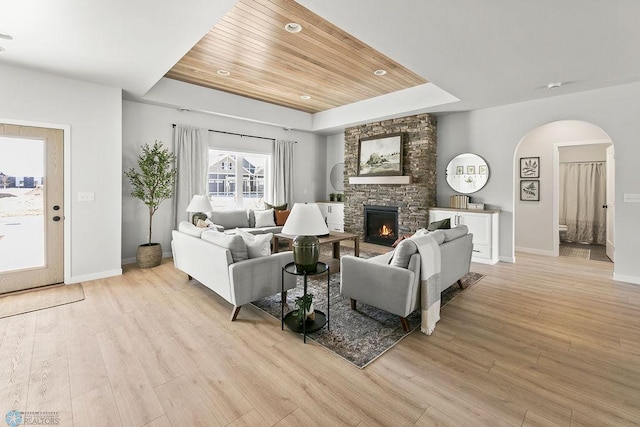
333, 214
482, 223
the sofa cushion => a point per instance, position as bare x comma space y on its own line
234, 243
264, 218
456, 232
190, 229
403, 252
208, 224
442, 224
258, 245
438, 235
274, 207
230, 218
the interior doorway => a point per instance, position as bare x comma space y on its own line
31, 207
585, 224
537, 219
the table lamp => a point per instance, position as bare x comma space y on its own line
306, 223
199, 205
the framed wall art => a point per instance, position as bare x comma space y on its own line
530, 190
459, 170
380, 155
471, 170
529, 167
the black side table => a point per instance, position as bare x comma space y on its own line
320, 318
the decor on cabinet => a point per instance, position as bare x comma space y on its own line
380, 155
306, 223
467, 173
530, 190
529, 167
152, 184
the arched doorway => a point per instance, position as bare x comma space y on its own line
536, 218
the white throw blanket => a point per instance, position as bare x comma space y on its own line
429, 281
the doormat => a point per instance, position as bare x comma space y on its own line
572, 252
39, 299
358, 336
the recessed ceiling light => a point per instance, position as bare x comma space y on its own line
380, 72
556, 85
5, 36
293, 27
305, 97
223, 73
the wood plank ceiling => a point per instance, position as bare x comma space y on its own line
267, 63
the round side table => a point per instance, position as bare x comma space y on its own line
320, 318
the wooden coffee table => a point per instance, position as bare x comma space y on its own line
333, 237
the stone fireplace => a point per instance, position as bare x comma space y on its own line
380, 224
411, 201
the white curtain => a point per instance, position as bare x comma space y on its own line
191, 151
582, 195
283, 173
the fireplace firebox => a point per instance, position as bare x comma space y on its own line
380, 224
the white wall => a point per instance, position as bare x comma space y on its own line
143, 123
335, 155
94, 147
495, 133
584, 153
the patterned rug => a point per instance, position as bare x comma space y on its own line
571, 252
359, 336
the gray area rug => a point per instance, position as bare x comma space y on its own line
359, 336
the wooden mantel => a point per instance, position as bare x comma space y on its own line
404, 179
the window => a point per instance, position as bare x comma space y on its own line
237, 179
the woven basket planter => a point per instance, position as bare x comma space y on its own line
149, 255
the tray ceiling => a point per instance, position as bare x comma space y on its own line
267, 63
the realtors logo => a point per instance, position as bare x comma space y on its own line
13, 418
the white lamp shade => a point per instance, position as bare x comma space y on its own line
199, 203
305, 219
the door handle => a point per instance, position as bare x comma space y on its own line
56, 218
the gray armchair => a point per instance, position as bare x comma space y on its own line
396, 288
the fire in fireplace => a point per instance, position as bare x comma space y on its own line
380, 224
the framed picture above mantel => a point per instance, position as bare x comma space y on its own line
380, 155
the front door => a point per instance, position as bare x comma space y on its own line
31, 209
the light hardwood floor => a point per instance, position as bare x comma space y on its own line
546, 341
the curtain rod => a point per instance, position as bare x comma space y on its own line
239, 134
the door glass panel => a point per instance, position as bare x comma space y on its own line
21, 204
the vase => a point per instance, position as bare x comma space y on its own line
310, 314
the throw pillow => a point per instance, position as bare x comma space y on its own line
442, 224
258, 245
234, 243
190, 229
403, 252
275, 208
265, 218
281, 216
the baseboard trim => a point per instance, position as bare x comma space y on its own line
627, 279
125, 261
536, 251
94, 276
509, 259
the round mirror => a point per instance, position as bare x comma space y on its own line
337, 177
467, 173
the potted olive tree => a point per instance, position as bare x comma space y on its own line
152, 183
